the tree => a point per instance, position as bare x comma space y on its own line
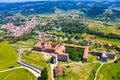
75, 54
44, 74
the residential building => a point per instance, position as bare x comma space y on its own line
104, 55
58, 71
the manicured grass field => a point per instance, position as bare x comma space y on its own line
8, 55
91, 58
35, 58
78, 72
108, 71
17, 74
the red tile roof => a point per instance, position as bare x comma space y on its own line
58, 70
85, 53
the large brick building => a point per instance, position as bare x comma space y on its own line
49, 47
59, 50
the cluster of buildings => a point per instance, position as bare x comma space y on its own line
89, 40
50, 47
11, 17
59, 50
103, 55
43, 35
20, 30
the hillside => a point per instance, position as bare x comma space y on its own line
105, 10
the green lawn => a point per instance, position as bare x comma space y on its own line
78, 72
69, 61
35, 58
17, 74
8, 55
108, 71
91, 58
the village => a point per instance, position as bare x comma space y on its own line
54, 47
57, 52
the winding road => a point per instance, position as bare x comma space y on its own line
36, 71
32, 71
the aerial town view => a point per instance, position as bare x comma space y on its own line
59, 39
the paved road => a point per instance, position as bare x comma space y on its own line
36, 71
11, 69
52, 68
32, 71
31, 67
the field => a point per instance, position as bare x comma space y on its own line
28, 43
111, 41
35, 58
8, 55
91, 58
78, 72
100, 26
108, 71
98, 40
58, 33
17, 74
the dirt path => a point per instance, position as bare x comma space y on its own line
102, 65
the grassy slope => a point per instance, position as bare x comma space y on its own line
8, 55
98, 40
17, 74
108, 70
111, 41
99, 26
35, 59
78, 72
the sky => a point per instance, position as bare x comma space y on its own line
46, 0
17, 0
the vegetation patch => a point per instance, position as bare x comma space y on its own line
35, 59
46, 73
27, 43
75, 54
109, 71
78, 72
8, 55
17, 74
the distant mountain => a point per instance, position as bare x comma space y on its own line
92, 9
